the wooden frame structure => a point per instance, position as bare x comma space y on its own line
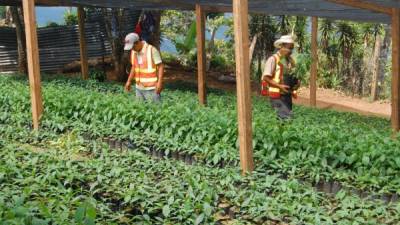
314, 62
201, 53
82, 43
33, 61
359, 10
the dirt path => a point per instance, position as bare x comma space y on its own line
330, 99
326, 98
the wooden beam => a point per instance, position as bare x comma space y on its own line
395, 69
201, 53
215, 9
37, 2
241, 31
364, 5
314, 62
82, 43
33, 61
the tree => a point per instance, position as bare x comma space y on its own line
300, 26
266, 30
213, 23
17, 19
175, 24
70, 18
113, 19
347, 42
380, 58
115, 22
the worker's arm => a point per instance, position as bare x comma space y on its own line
160, 69
129, 81
274, 84
269, 69
160, 74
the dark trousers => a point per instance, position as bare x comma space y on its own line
283, 106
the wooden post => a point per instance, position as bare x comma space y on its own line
201, 53
314, 63
82, 43
240, 19
395, 69
33, 61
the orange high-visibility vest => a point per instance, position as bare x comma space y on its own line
274, 92
146, 72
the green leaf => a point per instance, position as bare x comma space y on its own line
199, 219
273, 154
80, 213
90, 211
166, 210
36, 221
365, 160
89, 221
171, 200
207, 209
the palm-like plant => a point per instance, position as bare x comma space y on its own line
299, 30
326, 28
347, 40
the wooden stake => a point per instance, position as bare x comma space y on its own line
201, 53
314, 63
82, 43
33, 61
395, 69
240, 19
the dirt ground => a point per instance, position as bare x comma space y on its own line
326, 98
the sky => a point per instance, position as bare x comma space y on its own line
50, 14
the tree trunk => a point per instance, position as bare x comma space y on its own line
16, 18
8, 19
252, 47
117, 49
375, 71
384, 58
210, 49
366, 69
156, 36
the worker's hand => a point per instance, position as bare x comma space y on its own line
284, 88
159, 88
128, 86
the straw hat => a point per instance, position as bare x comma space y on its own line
285, 39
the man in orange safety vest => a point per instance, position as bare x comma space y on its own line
147, 69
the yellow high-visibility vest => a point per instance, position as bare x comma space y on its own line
146, 71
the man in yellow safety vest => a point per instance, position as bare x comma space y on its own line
147, 69
278, 82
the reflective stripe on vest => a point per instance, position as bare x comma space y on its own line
146, 72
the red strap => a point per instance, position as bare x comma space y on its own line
138, 29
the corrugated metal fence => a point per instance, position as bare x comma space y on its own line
57, 46
8, 50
